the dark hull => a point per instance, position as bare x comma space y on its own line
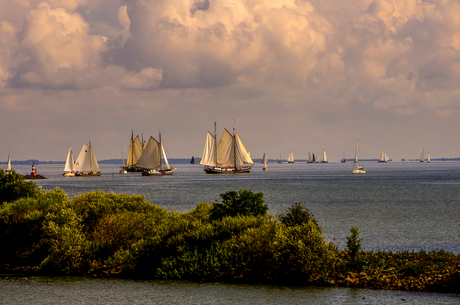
131, 169
227, 170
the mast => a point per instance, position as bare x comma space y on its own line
234, 145
131, 147
161, 150
215, 138
90, 156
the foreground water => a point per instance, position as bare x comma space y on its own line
397, 206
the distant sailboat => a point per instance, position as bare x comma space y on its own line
428, 158
122, 167
324, 157
343, 160
229, 156
69, 168
291, 157
153, 160
8, 167
264, 161
314, 160
383, 157
86, 164
280, 161
422, 157
356, 168
192, 161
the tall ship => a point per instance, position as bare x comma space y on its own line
324, 157
69, 167
357, 169
153, 160
229, 156
86, 164
136, 148
291, 157
383, 157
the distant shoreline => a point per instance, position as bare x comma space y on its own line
197, 161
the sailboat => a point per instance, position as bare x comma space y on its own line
192, 161
8, 167
356, 168
314, 160
122, 168
280, 161
422, 157
86, 164
428, 158
343, 160
264, 161
383, 157
324, 157
136, 148
69, 167
229, 156
291, 157
309, 158
153, 160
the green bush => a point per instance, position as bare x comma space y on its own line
353, 244
14, 186
243, 202
298, 215
302, 253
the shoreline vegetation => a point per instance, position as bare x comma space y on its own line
234, 240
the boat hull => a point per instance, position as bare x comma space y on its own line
155, 172
86, 174
227, 170
68, 174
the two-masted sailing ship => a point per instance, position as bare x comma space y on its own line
383, 157
136, 148
229, 156
86, 164
153, 160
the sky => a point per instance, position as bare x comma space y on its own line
300, 75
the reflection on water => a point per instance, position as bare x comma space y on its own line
78, 290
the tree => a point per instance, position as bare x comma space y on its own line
298, 215
243, 202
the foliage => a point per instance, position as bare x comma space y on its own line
243, 202
298, 215
14, 186
354, 243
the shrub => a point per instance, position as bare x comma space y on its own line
353, 244
298, 215
302, 253
14, 186
243, 202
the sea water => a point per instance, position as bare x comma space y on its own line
397, 206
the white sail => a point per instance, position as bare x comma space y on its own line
226, 150
69, 162
135, 151
422, 156
291, 157
8, 167
164, 156
428, 158
209, 153
382, 156
386, 157
324, 156
150, 158
242, 150
86, 161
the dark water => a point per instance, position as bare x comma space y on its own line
397, 206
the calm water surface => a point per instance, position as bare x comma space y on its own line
397, 206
